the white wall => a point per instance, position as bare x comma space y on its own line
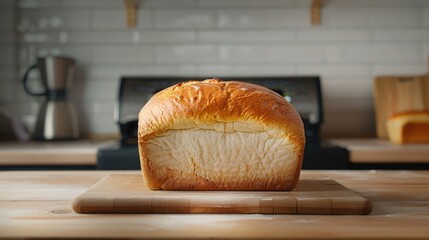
7, 54
356, 41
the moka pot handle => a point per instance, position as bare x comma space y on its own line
25, 82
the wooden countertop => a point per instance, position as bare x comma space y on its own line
374, 150
38, 205
84, 152
50, 153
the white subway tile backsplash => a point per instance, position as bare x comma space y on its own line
355, 41
396, 53
98, 37
402, 35
245, 36
7, 91
345, 17
100, 124
334, 70
288, 17
103, 107
357, 125
115, 72
270, 53
400, 69
55, 19
7, 57
426, 16
102, 72
167, 36
399, 2
349, 53
82, 54
122, 55
7, 38
374, 53
338, 35
36, 4
245, 70
6, 18
397, 17
8, 4
186, 54
160, 69
268, 18
426, 53
353, 106
116, 19
90, 90
239, 18
39, 37
169, 3
333, 53
349, 117
7, 73
253, 3
185, 18
29, 52
8, 85
346, 3
98, 4
108, 19
338, 88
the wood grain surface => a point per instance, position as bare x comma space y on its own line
394, 94
58, 153
375, 150
124, 193
38, 205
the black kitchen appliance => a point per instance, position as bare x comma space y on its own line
303, 92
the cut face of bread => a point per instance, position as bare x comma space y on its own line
208, 157
215, 135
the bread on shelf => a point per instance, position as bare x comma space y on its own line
409, 127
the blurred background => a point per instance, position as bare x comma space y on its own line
356, 41
347, 47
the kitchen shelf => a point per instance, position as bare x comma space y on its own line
131, 7
316, 6
131, 11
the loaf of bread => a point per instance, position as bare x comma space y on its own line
216, 135
409, 127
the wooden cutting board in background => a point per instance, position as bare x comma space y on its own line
313, 195
393, 94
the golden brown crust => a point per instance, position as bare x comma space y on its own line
212, 101
409, 127
415, 132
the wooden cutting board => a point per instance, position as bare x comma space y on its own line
128, 194
398, 94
